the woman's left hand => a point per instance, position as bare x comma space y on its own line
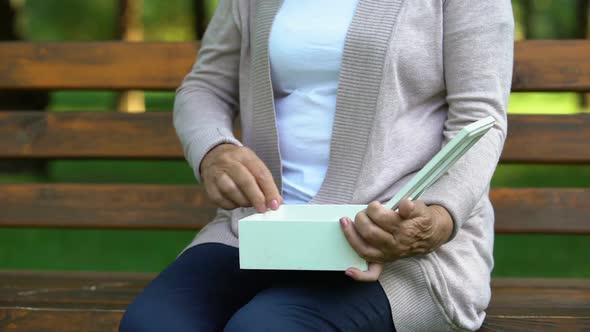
381, 235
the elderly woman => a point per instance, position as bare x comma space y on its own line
341, 101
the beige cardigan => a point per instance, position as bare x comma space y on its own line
413, 74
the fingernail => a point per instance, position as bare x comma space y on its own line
274, 204
261, 208
348, 273
343, 222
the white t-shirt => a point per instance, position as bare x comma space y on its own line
305, 49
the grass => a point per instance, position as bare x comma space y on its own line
90, 250
543, 103
150, 251
547, 256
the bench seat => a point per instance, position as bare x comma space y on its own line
90, 301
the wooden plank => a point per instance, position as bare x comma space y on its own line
545, 211
522, 304
547, 139
88, 135
112, 291
95, 65
104, 206
528, 323
23, 135
47, 319
521, 297
86, 320
44, 319
70, 290
540, 65
551, 65
95, 301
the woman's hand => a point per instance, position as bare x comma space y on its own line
235, 177
381, 235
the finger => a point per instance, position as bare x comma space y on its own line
264, 178
359, 245
230, 190
218, 198
372, 274
247, 184
413, 209
406, 208
383, 217
372, 233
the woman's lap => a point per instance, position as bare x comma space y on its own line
204, 289
328, 302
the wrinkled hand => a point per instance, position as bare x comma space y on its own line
381, 235
235, 177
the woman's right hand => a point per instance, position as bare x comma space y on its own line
235, 177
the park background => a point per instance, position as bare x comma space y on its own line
181, 20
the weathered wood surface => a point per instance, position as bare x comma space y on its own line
70, 290
551, 65
87, 135
95, 65
522, 304
104, 206
543, 211
535, 323
540, 65
85, 301
92, 320
548, 138
548, 211
56, 320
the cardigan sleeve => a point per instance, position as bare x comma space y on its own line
478, 58
207, 101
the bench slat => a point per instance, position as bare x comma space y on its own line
528, 323
555, 211
70, 290
547, 139
47, 319
545, 211
88, 135
33, 319
30, 298
540, 65
551, 65
96, 135
95, 65
104, 206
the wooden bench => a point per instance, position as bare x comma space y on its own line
31, 301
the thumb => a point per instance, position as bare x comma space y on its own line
372, 274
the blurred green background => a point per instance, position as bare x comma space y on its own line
174, 20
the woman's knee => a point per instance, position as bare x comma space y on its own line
254, 319
139, 316
260, 316
150, 313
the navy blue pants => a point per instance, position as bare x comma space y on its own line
205, 290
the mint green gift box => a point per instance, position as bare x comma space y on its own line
298, 237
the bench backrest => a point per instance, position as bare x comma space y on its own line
538, 139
